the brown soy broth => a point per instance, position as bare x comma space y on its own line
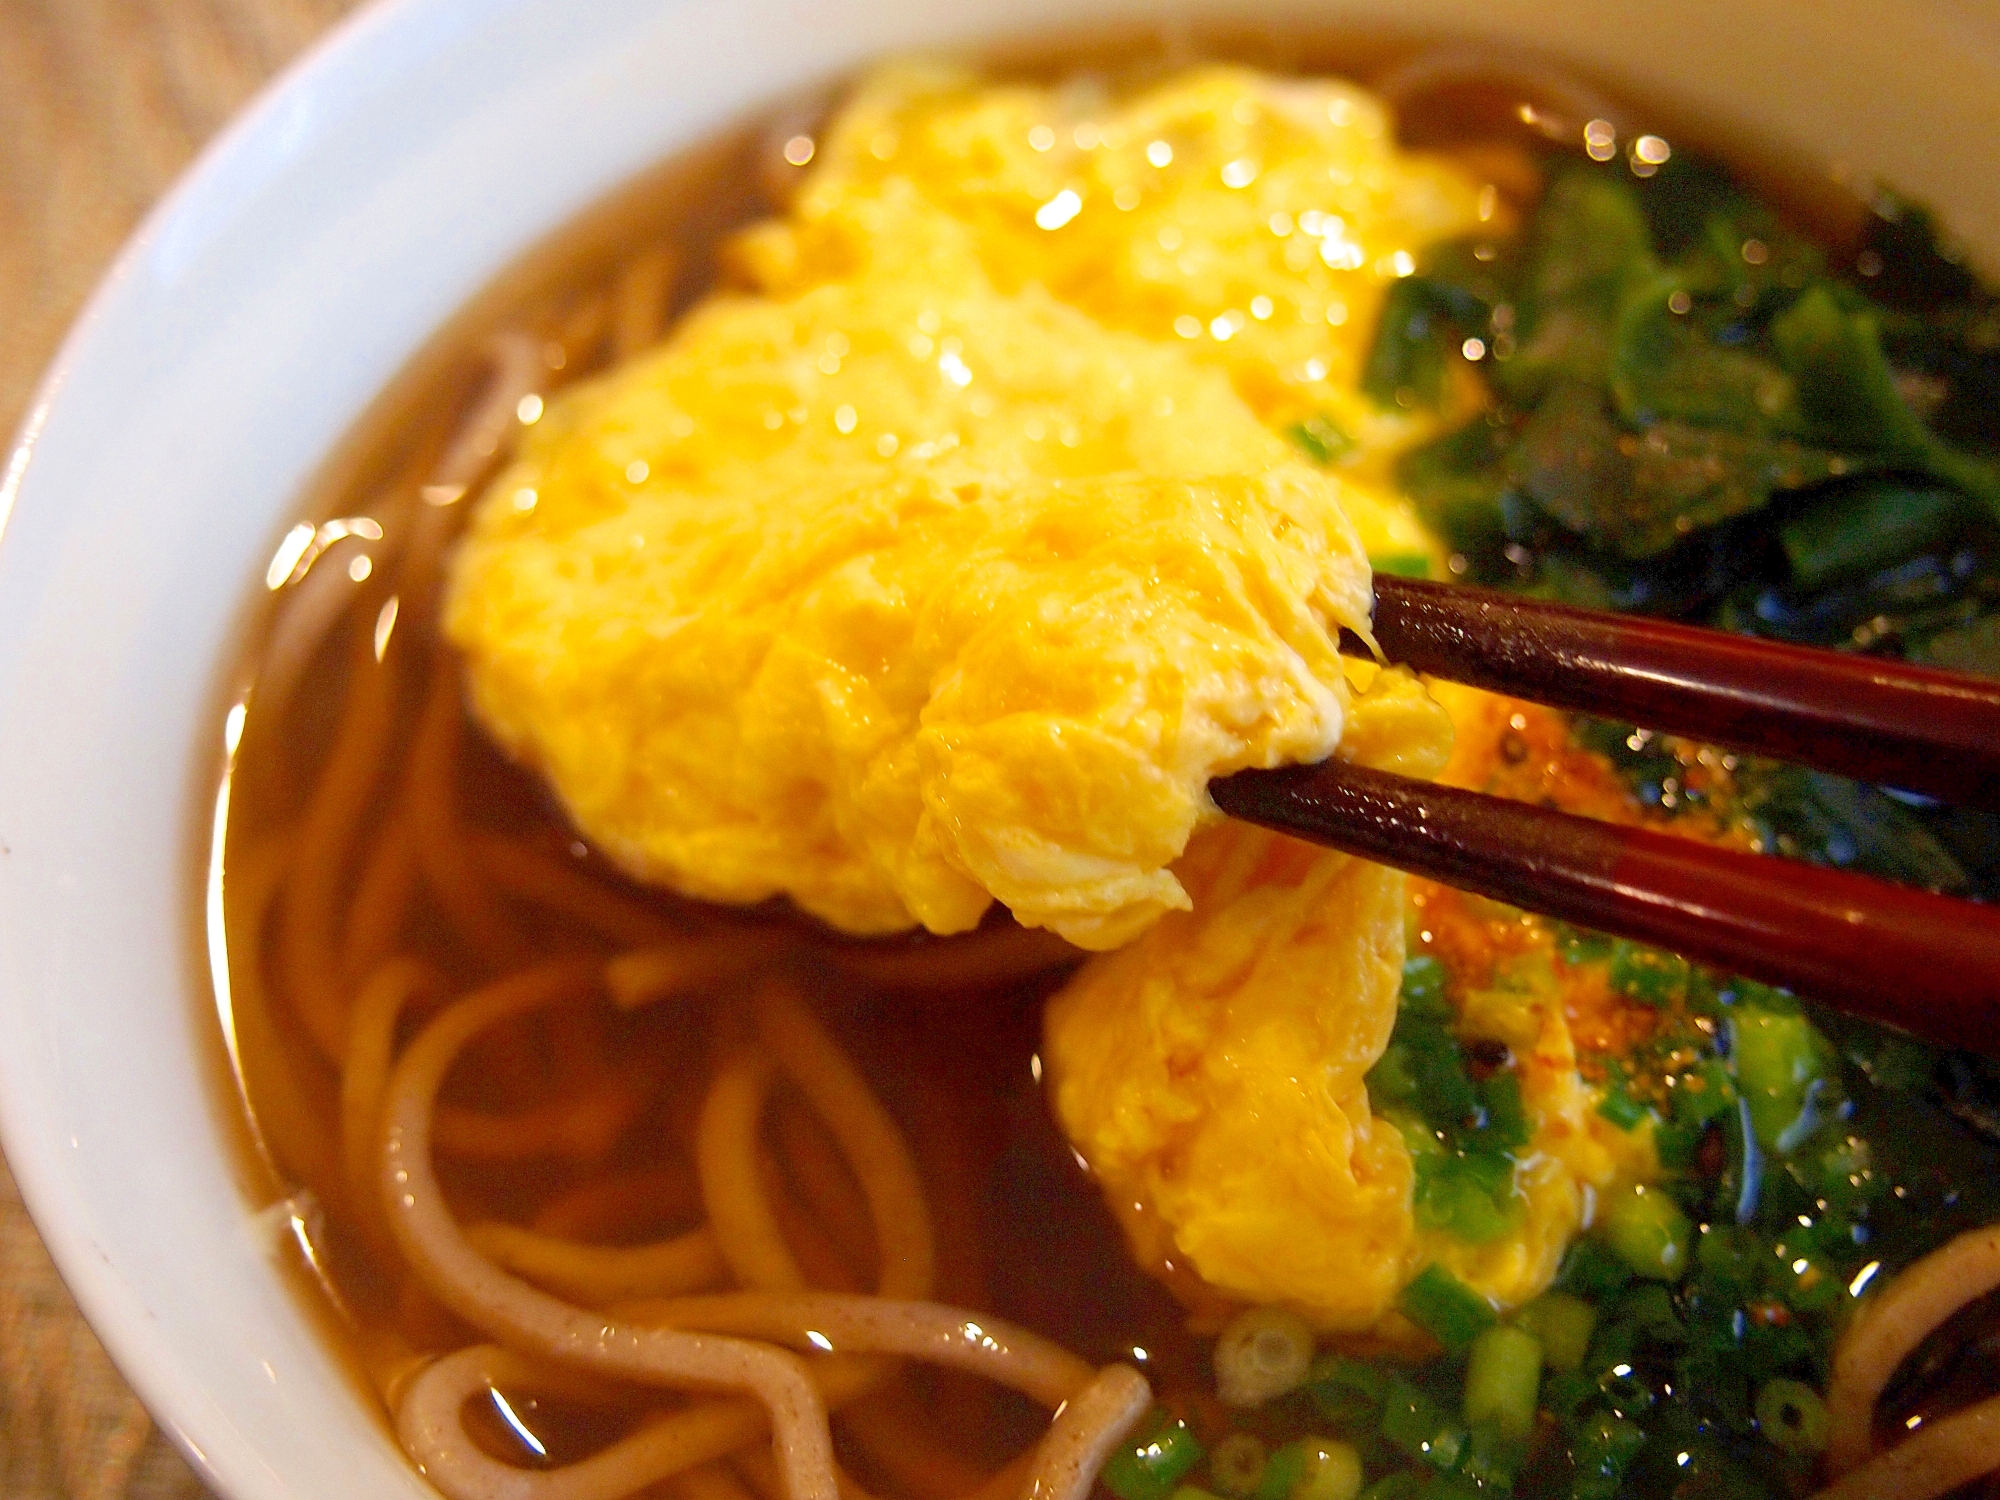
1022, 1232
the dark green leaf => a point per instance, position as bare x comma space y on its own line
1835, 822
1422, 327
1913, 268
1846, 393
1455, 482
1589, 245
1971, 648
1637, 494
1866, 529
1663, 366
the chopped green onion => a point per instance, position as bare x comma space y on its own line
1192, 1492
1791, 1414
1562, 1324
1808, 1284
1565, 1392
1502, 1378
1333, 1471
1153, 1467
1263, 1353
1601, 1454
1347, 1392
1648, 1232
1649, 1309
1579, 945
1394, 1079
1592, 1270
1321, 1468
1781, 1060
1415, 1423
1506, 1127
1423, 988
1467, 1193
1647, 975
1282, 1473
1237, 1464
1491, 1460
1728, 1255
1446, 1308
1620, 1108
1705, 1094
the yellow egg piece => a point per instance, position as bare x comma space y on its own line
896, 633
1257, 221
1212, 1074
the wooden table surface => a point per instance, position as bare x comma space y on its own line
102, 103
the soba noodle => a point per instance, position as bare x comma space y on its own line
509, 1282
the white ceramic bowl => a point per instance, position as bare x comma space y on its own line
306, 258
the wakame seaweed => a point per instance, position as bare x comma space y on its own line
1694, 414
1666, 355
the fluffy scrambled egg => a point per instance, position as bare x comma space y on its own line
991, 642
949, 553
945, 564
1212, 1072
1251, 221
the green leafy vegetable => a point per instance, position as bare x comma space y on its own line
1636, 495
1589, 249
1864, 530
1970, 648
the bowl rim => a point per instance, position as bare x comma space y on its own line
146, 1355
142, 1352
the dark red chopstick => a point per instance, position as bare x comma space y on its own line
1860, 716
1925, 963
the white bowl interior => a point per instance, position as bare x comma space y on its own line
287, 281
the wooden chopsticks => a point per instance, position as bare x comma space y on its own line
1926, 963
1861, 716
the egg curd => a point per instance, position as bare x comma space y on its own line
945, 555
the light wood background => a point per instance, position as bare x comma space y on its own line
102, 103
